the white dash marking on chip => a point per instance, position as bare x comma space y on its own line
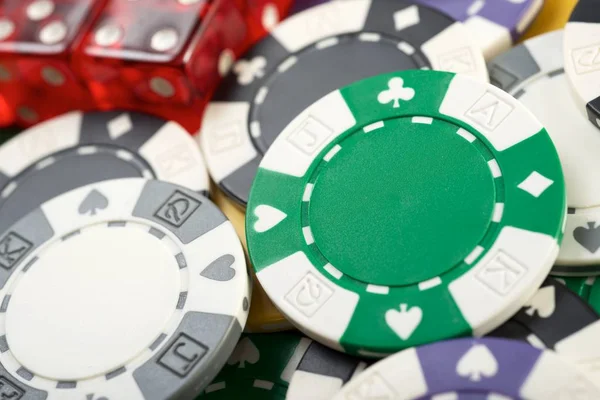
44, 163
425, 68
468, 136
422, 120
215, 387
325, 43
498, 212
535, 341
373, 126
475, 7
430, 283
261, 95
494, 168
331, 153
333, 271
124, 155
255, 129
308, 236
259, 383
369, 37
377, 289
9, 189
87, 150
307, 192
287, 64
406, 48
452, 396
474, 254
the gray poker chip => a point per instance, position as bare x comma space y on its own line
311, 54
123, 289
77, 149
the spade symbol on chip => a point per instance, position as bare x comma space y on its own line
92, 203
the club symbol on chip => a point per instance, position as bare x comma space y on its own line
247, 71
93, 202
396, 92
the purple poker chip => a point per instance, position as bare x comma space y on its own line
471, 368
496, 24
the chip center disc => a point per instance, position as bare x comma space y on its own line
402, 204
92, 302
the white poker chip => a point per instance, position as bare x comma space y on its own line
123, 289
534, 73
76, 149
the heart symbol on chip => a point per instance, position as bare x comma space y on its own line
268, 217
220, 269
477, 363
405, 321
588, 236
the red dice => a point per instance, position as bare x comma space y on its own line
163, 57
37, 41
166, 57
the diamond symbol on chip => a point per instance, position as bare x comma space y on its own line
247, 71
396, 92
119, 126
535, 184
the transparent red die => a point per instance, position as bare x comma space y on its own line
37, 41
166, 57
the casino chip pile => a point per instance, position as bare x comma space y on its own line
428, 233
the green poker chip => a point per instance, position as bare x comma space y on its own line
404, 209
260, 367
